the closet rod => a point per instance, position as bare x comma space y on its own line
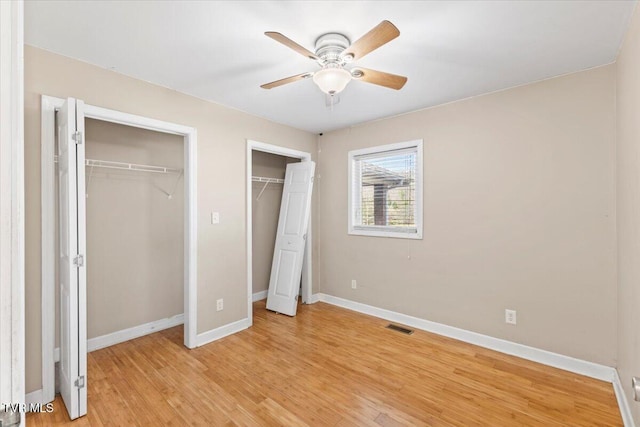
107, 164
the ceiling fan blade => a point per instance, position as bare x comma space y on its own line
286, 80
291, 44
380, 78
381, 34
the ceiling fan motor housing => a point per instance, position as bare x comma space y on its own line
329, 47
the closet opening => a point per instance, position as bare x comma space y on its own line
119, 237
135, 200
266, 166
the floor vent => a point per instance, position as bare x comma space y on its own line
399, 329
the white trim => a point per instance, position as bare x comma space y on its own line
124, 335
259, 296
35, 396
49, 104
223, 331
12, 232
623, 403
281, 151
48, 250
567, 363
114, 116
307, 275
378, 231
191, 238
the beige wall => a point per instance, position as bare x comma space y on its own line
222, 134
135, 232
519, 213
628, 209
265, 214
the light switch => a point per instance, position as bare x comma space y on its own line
215, 217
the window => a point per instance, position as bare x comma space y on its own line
385, 191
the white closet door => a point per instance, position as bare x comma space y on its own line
73, 350
291, 237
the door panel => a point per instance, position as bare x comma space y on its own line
286, 273
72, 280
294, 214
81, 217
286, 269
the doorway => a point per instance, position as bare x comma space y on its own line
49, 228
286, 155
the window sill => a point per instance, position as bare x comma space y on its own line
386, 233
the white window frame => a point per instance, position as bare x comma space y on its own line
380, 231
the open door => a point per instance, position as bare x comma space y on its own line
73, 333
291, 237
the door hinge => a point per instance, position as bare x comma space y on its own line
77, 137
79, 382
79, 261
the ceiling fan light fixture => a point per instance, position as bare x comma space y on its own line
332, 80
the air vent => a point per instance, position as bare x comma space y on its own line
399, 329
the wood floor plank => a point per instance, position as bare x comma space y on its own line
329, 367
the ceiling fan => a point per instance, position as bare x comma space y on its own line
333, 51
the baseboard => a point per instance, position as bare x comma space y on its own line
34, 397
567, 363
118, 337
623, 403
222, 331
131, 333
314, 298
259, 296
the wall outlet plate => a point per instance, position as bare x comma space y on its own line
510, 316
354, 284
219, 304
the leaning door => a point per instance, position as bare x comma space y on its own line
73, 351
288, 255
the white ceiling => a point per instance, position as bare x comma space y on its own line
217, 51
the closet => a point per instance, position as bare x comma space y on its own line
135, 227
134, 195
268, 172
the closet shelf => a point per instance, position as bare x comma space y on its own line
267, 180
107, 164
130, 166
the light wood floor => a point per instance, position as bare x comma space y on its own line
329, 367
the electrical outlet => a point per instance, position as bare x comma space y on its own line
219, 304
510, 316
215, 217
354, 284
